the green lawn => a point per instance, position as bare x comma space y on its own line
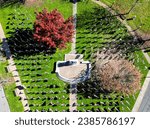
97, 28
13, 101
2, 69
141, 11
45, 92
64, 7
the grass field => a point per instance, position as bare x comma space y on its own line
96, 28
64, 7
35, 64
9, 87
141, 11
13, 101
45, 92
2, 69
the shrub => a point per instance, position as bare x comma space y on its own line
118, 76
52, 29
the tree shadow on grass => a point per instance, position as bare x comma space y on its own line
92, 90
21, 40
21, 43
99, 22
10, 3
76, 1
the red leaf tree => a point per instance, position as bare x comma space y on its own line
51, 28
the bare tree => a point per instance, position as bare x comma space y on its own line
118, 76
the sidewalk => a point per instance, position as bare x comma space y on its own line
4, 107
145, 105
142, 99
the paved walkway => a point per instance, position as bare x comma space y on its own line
142, 103
145, 105
73, 98
144, 93
1, 33
4, 107
12, 68
73, 87
73, 50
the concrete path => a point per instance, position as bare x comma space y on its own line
12, 68
4, 107
73, 87
73, 49
145, 105
73, 98
1, 33
145, 92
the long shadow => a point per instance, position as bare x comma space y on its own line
90, 89
76, 1
93, 90
100, 22
21, 40
22, 43
10, 3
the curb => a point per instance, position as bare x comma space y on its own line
141, 94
